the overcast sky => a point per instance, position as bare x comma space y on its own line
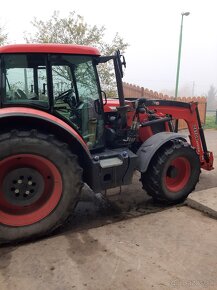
150, 27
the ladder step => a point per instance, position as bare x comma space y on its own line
110, 162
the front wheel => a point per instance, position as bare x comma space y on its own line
40, 181
172, 173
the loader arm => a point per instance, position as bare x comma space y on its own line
188, 112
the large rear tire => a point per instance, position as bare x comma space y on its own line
172, 173
40, 182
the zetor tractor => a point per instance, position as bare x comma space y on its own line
58, 130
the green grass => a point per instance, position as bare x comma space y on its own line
210, 122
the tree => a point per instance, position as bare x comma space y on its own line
211, 98
74, 30
3, 36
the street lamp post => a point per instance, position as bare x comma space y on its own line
179, 54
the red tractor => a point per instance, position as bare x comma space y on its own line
58, 131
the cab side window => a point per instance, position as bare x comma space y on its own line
25, 79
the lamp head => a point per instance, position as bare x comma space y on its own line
185, 13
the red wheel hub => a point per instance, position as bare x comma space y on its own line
178, 174
30, 189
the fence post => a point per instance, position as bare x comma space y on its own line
216, 116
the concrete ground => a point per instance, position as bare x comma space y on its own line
134, 244
204, 201
208, 179
172, 249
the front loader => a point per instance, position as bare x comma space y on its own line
58, 130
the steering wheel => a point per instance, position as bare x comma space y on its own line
68, 98
64, 95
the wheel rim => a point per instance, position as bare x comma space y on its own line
177, 174
30, 189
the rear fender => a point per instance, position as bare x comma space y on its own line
150, 147
26, 118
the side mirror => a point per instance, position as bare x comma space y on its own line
121, 62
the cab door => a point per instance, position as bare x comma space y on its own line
77, 96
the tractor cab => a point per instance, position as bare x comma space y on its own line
64, 84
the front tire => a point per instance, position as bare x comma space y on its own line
40, 182
172, 173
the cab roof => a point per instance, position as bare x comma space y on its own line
49, 48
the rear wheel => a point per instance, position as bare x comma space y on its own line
40, 181
173, 172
